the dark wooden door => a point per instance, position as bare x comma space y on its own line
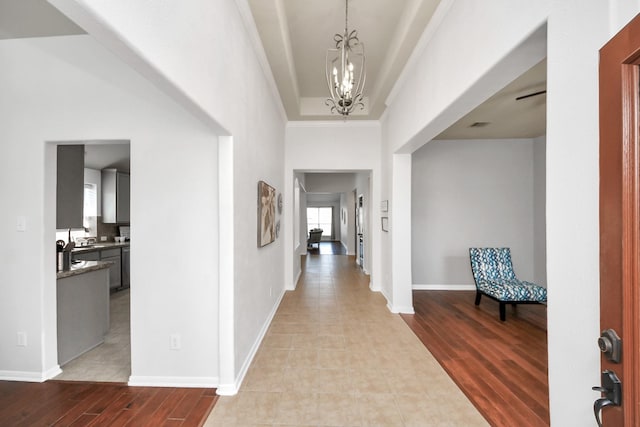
619, 214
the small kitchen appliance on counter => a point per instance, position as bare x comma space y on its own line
124, 232
63, 255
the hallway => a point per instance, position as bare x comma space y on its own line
335, 356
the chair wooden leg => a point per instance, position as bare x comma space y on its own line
503, 314
478, 296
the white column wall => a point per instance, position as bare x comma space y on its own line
401, 300
51, 92
331, 146
217, 69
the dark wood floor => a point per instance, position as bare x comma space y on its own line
60, 403
500, 366
327, 248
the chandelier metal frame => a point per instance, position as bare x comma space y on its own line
342, 63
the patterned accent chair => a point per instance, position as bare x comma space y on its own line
315, 236
494, 276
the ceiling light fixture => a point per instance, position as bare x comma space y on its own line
345, 70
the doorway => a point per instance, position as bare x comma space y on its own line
98, 240
327, 201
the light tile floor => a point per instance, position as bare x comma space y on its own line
335, 356
110, 361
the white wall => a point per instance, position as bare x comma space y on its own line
471, 193
217, 69
335, 182
371, 214
51, 91
299, 217
465, 49
312, 146
348, 224
539, 211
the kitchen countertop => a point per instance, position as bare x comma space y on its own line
99, 246
84, 267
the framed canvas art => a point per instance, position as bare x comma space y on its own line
266, 214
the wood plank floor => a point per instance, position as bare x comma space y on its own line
500, 366
72, 403
327, 248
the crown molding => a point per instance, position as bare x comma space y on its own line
332, 123
256, 42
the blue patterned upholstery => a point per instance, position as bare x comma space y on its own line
494, 276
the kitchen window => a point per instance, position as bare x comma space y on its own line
90, 208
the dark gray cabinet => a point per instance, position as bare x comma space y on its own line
116, 190
86, 256
107, 254
70, 186
126, 267
115, 270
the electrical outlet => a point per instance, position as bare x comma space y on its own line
103, 238
174, 342
22, 339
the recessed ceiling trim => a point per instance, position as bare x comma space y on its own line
256, 42
316, 106
332, 123
411, 21
288, 50
432, 27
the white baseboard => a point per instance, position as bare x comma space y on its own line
439, 287
394, 308
227, 389
188, 382
30, 376
295, 282
397, 309
232, 389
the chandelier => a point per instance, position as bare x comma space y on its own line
345, 70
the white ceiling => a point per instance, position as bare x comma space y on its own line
113, 154
503, 116
33, 18
296, 35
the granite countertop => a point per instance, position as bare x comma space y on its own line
99, 246
83, 267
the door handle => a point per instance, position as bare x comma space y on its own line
611, 388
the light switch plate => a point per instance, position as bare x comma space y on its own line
21, 223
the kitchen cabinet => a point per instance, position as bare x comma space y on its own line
70, 186
116, 189
126, 269
86, 256
115, 271
83, 313
107, 254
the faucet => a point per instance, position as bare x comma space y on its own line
69, 241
